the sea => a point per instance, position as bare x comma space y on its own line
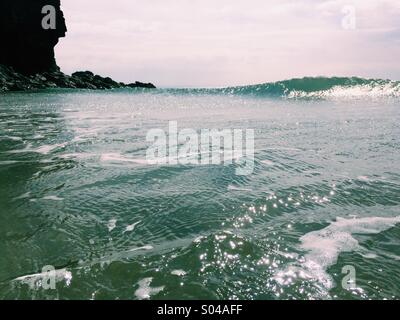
84, 214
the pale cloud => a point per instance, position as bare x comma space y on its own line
220, 43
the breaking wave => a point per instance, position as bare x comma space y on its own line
312, 87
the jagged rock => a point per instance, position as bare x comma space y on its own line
86, 79
10, 80
26, 46
27, 59
138, 84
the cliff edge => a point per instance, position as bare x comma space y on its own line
29, 31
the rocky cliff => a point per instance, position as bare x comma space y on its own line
26, 45
27, 59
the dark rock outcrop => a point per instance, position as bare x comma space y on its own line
27, 59
10, 80
139, 84
26, 45
86, 79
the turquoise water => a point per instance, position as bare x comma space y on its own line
76, 193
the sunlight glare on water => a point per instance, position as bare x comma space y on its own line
77, 193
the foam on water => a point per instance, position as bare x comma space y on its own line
26, 195
181, 158
145, 291
111, 224
147, 247
131, 227
235, 188
324, 247
44, 149
320, 88
12, 138
35, 281
178, 273
78, 155
358, 91
267, 162
6, 163
118, 158
114, 257
53, 198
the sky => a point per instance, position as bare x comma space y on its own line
216, 43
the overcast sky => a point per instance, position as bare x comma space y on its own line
230, 42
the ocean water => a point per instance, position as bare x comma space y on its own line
77, 193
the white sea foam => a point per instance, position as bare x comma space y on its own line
53, 198
234, 188
178, 273
369, 255
45, 149
23, 196
6, 163
111, 224
117, 157
146, 247
35, 281
392, 256
267, 162
324, 247
82, 155
184, 159
131, 227
386, 90
12, 138
145, 291
114, 257
282, 149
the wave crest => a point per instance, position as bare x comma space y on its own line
321, 87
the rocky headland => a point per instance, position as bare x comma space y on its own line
27, 58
